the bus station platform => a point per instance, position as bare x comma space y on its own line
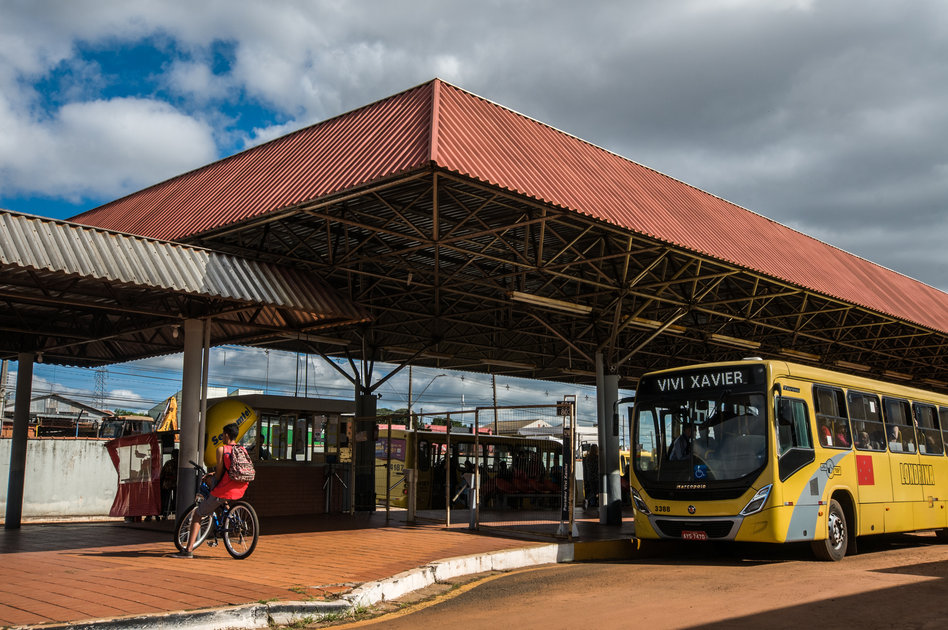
114, 574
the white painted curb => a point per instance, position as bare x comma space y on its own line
403, 583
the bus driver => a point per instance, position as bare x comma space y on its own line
681, 448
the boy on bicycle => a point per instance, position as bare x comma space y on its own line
223, 488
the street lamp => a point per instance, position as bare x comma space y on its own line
420, 394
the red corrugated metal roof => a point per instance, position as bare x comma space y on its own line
490, 143
376, 141
458, 131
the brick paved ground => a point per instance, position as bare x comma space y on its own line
73, 572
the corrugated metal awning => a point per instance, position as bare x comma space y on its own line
119, 297
439, 124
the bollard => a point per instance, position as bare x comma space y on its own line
411, 478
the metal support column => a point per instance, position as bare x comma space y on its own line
192, 444
610, 483
21, 433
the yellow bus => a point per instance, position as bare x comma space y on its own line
769, 451
515, 472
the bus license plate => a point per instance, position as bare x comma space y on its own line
690, 535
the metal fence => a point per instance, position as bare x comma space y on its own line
491, 467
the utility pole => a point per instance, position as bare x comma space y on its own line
3, 388
493, 383
410, 425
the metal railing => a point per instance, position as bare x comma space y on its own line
505, 467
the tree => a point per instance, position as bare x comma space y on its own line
126, 412
443, 422
385, 411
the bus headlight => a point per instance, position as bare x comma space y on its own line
757, 503
639, 503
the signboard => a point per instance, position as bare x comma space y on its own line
565, 485
687, 382
398, 449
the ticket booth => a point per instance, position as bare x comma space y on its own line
301, 452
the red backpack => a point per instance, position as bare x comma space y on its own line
241, 466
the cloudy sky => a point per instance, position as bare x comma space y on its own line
828, 116
140, 385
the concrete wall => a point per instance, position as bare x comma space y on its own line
74, 478
65, 477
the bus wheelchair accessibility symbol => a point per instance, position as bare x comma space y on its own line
701, 471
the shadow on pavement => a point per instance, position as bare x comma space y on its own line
918, 605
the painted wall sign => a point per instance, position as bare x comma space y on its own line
917, 474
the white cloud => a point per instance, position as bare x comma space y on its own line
103, 147
42, 386
126, 399
195, 80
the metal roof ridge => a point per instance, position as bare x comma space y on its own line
434, 123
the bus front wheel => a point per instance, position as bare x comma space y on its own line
837, 536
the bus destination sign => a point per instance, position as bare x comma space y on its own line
700, 381
683, 382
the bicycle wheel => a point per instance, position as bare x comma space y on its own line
182, 529
241, 530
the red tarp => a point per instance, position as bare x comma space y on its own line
137, 459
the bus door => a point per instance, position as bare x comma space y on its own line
874, 478
425, 451
390, 453
932, 468
906, 473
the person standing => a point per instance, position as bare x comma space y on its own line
591, 477
224, 488
169, 481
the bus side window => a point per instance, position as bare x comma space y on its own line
793, 430
424, 456
929, 435
943, 416
900, 430
866, 415
794, 441
831, 417
646, 442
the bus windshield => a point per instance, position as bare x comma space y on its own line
700, 438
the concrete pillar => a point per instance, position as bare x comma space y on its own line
363, 449
191, 445
366, 403
21, 433
610, 483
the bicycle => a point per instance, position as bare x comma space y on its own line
235, 521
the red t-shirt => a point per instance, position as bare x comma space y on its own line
227, 488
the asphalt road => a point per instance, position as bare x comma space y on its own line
895, 582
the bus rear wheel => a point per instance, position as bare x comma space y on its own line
833, 548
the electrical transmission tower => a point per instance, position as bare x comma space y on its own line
101, 375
